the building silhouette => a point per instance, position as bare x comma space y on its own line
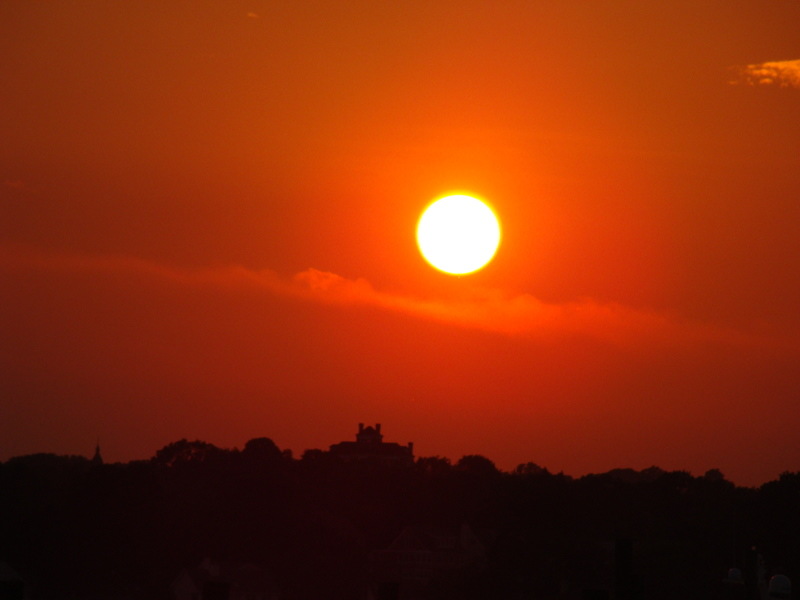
370, 447
12, 586
419, 555
213, 580
97, 459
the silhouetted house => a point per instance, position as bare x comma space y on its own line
12, 587
598, 570
732, 587
588, 571
369, 446
224, 581
419, 555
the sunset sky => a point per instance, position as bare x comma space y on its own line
207, 215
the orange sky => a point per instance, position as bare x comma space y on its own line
208, 213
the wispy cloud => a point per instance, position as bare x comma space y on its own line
781, 73
19, 188
518, 314
15, 184
515, 314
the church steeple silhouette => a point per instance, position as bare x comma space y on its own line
97, 459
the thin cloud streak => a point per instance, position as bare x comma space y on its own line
521, 314
496, 311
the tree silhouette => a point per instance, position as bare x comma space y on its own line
477, 465
262, 449
184, 451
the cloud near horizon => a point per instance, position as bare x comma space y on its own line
522, 314
781, 73
515, 314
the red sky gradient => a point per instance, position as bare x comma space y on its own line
208, 208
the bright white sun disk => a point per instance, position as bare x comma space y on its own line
458, 234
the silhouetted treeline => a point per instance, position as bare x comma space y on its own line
74, 529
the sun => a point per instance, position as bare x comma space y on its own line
458, 234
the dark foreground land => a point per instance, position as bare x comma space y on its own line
319, 527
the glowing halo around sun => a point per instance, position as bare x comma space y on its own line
458, 234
